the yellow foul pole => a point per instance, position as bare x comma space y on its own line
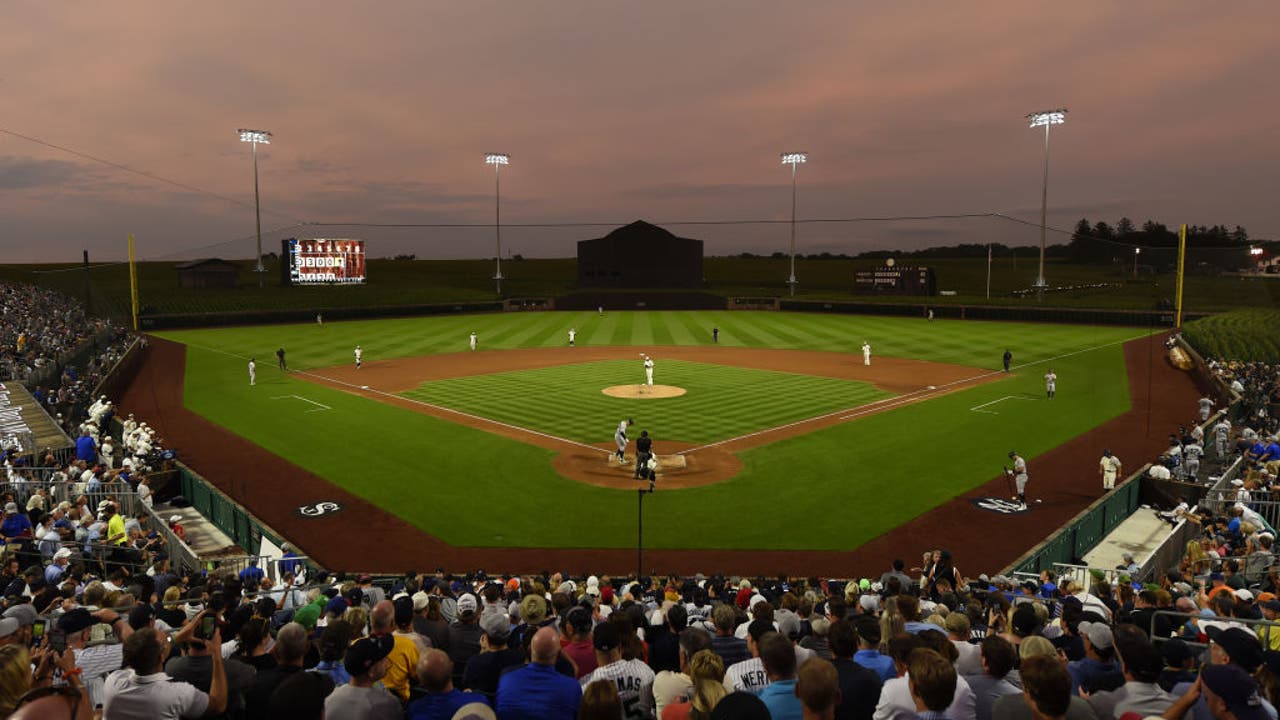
133, 284
1182, 268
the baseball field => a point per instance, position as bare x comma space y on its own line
783, 440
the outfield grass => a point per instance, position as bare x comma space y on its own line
722, 401
833, 489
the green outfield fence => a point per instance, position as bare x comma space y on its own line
1084, 531
1088, 316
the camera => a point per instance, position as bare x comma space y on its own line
208, 624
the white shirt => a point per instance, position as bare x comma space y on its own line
634, 681
896, 703
151, 697
252, 366
1109, 465
572, 335
747, 675
1050, 379
866, 349
622, 429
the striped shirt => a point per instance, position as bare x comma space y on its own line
634, 681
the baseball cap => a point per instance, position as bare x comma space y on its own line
1272, 605
366, 652
75, 620
467, 603
9, 626
474, 711
141, 616
25, 614
496, 626
1241, 645
1237, 690
420, 601
404, 609
62, 553
605, 637
789, 625
1175, 652
1099, 634
354, 597
10, 508
533, 609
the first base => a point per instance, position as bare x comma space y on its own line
364, 387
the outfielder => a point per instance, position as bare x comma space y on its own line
1109, 467
866, 353
359, 356
572, 334
473, 341
648, 369
1019, 475
620, 437
253, 373
1051, 383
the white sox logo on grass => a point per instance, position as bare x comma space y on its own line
326, 507
999, 505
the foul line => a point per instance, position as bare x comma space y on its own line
322, 406
976, 408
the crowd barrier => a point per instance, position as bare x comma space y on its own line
1084, 531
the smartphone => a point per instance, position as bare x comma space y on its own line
208, 624
37, 632
57, 640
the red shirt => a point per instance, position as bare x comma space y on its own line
583, 655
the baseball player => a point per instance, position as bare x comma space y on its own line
648, 369
620, 437
572, 334
1109, 467
715, 334
359, 356
319, 319
1051, 383
1007, 358
866, 353
1221, 436
1019, 474
253, 373
644, 451
1206, 405
1191, 454
280, 357
473, 340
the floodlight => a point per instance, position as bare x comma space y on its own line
255, 136
497, 159
1048, 117
794, 158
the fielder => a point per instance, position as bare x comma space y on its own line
648, 369
572, 334
620, 437
1019, 475
473, 341
1051, 383
866, 353
1109, 467
253, 373
359, 356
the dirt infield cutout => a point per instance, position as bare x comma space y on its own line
644, 392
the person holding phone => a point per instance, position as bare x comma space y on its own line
94, 662
141, 688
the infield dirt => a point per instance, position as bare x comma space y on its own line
364, 537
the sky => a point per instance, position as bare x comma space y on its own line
611, 112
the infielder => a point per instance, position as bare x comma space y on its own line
648, 369
1051, 383
1007, 358
1206, 404
866, 353
359, 356
253, 373
280, 357
620, 437
1109, 467
473, 341
1019, 474
572, 334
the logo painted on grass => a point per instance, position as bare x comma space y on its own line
319, 509
999, 505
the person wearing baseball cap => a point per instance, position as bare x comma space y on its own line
1231, 693
495, 657
464, 636
1098, 670
634, 677
366, 661
1235, 646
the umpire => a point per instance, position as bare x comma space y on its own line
644, 451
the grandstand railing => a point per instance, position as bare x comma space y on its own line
1084, 531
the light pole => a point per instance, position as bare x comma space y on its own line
1045, 118
497, 160
1136, 252
256, 137
793, 159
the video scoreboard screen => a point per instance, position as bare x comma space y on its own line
321, 261
893, 280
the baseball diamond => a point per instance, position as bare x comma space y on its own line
782, 427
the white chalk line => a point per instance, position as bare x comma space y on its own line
976, 408
321, 406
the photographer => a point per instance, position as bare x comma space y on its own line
142, 689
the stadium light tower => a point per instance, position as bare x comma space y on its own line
1136, 252
256, 137
497, 160
1046, 118
794, 159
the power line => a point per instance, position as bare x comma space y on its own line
171, 255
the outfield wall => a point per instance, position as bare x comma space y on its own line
269, 317
1086, 316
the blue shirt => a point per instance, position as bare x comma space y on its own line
537, 692
335, 671
85, 449
1088, 672
881, 664
780, 697
251, 577
15, 525
442, 706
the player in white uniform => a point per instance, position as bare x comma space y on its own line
1191, 454
1019, 473
253, 372
359, 356
1206, 404
473, 341
572, 334
866, 353
648, 369
620, 438
632, 678
1109, 467
1051, 383
1221, 436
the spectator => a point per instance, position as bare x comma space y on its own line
362, 699
402, 661
749, 675
334, 641
290, 651
600, 701
970, 659
633, 677
1231, 693
495, 655
706, 671
932, 682
859, 685
95, 662
730, 648
818, 687
464, 636
1046, 694
669, 686
577, 628
300, 697
868, 655
896, 702
442, 699
740, 706
1140, 663
195, 667
1098, 670
428, 621
536, 691
998, 657
779, 695
142, 690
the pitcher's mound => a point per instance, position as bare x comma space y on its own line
644, 392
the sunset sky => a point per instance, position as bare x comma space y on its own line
611, 112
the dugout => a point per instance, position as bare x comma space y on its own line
640, 255
208, 273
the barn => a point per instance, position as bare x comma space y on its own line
640, 255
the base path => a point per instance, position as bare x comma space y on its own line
363, 537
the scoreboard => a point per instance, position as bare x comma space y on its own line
894, 280
324, 261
